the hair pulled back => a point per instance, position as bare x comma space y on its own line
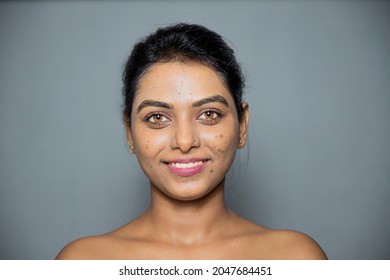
182, 42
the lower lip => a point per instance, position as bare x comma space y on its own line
186, 172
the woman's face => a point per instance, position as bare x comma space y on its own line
184, 128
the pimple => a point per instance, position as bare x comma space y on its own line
146, 147
221, 136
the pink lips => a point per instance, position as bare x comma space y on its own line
187, 167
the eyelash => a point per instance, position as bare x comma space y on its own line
155, 124
162, 124
214, 120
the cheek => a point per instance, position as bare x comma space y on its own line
223, 141
147, 139
148, 145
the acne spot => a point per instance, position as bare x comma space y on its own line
211, 171
146, 147
221, 136
219, 150
147, 141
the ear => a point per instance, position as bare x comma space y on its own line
243, 125
129, 134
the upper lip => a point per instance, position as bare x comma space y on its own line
186, 160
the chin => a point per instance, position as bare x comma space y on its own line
188, 191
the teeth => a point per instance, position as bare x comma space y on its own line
186, 165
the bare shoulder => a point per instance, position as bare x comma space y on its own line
117, 244
264, 243
289, 245
82, 249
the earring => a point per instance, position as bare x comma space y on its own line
240, 143
132, 149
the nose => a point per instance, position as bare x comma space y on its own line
185, 137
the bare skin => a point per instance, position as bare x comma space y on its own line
185, 133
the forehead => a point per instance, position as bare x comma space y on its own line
176, 82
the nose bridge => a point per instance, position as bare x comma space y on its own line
185, 133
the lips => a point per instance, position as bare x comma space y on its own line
186, 167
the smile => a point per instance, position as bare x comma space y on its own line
186, 168
186, 165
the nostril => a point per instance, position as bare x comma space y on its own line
185, 136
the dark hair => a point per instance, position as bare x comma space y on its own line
182, 42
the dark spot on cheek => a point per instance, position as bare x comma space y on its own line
221, 136
219, 150
211, 171
147, 141
146, 147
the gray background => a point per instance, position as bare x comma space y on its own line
318, 85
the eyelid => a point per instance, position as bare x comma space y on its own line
156, 113
214, 120
154, 124
218, 112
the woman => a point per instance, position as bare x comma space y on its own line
185, 119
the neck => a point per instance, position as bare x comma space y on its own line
188, 222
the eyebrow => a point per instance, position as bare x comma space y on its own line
154, 103
215, 98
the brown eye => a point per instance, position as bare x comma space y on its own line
210, 117
157, 119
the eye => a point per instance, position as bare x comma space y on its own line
157, 120
210, 117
